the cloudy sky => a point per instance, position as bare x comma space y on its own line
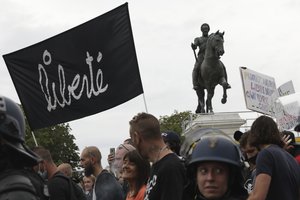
260, 35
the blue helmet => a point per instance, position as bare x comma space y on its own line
216, 148
219, 148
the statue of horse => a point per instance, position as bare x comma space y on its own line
212, 73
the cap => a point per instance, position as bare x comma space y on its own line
170, 136
237, 135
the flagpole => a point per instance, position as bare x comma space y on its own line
145, 103
36, 144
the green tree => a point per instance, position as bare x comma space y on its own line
175, 122
58, 140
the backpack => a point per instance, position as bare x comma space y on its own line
22, 184
76, 193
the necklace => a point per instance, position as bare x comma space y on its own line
161, 150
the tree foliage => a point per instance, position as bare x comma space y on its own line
175, 122
58, 140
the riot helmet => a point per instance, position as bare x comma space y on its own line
216, 148
12, 123
12, 128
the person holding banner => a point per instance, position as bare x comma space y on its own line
277, 172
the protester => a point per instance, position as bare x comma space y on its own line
136, 172
297, 128
297, 145
237, 135
59, 188
172, 139
88, 183
17, 178
277, 172
215, 171
117, 163
66, 169
289, 140
250, 155
128, 141
167, 177
106, 186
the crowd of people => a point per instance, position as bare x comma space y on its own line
148, 166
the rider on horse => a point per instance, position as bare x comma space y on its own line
201, 43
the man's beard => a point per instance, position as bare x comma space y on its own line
89, 170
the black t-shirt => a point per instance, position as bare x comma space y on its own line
284, 172
167, 179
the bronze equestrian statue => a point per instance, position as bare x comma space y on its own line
209, 71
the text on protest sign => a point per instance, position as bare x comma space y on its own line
258, 91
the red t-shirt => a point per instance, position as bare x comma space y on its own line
140, 195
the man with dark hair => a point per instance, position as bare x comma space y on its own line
277, 172
250, 154
17, 179
172, 140
167, 177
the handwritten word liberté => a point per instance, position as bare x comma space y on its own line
74, 90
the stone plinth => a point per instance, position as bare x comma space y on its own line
227, 122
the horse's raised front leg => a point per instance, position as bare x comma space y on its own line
200, 94
210, 95
224, 99
225, 85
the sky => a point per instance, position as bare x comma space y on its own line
260, 35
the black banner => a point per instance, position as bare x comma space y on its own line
80, 72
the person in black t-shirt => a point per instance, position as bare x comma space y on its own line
167, 177
277, 171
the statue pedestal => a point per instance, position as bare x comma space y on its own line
226, 122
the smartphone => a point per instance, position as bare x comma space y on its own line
112, 151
